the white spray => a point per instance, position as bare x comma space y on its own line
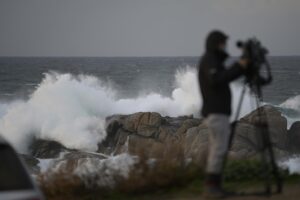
72, 110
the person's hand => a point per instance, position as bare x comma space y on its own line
244, 63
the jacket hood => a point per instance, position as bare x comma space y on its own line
214, 39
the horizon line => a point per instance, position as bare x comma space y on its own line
126, 56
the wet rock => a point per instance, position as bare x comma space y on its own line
277, 124
40, 148
31, 163
294, 137
143, 124
246, 138
186, 125
115, 136
147, 147
92, 169
196, 144
152, 133
124, 130
76, 155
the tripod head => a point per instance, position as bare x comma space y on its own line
257, 56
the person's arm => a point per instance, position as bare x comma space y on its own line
220, 77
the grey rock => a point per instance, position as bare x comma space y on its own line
277, 124
115, 136
152, 133
143, 124
246, 137
122, 130
294, 137
196, 144
147, 147
31, 163
40, 148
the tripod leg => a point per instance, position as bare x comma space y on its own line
233, 125
261, 140
268, 150
274, 166
238, 111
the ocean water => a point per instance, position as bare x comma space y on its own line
131, 76
68, 99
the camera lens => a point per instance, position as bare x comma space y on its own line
239, 44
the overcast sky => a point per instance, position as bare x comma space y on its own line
143, 27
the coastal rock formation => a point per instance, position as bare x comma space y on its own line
151, 135
46, 149
196, 144
31, 162
277, 124
294, 137
151, 132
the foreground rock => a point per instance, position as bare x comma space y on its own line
146, 132
154, 134
31, 162
150, 135
93, 170
46, 149
294, 137
277, 125
196, 144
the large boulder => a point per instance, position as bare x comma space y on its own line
70, 160
196, 144
294, 137
247, 138
151, 134
116, 135
144, 124
246, 142
45, 149
144, 131
91, 169
277, 124
31, 163
147, 147
166, 141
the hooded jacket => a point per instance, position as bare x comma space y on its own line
214, 78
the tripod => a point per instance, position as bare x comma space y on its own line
265, 149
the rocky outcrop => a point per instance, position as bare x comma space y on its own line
265, 115
246, 141
31, 162
93, 170
144, 124
294, 137
146, 132
150, 135
196, 144
46, 149
116, 135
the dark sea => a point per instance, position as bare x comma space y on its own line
20, 76
67, 99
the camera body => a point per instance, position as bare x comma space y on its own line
256, 54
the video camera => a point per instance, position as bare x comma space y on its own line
257, 56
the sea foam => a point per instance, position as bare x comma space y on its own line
72, 109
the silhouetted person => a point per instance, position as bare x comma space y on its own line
214, 79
